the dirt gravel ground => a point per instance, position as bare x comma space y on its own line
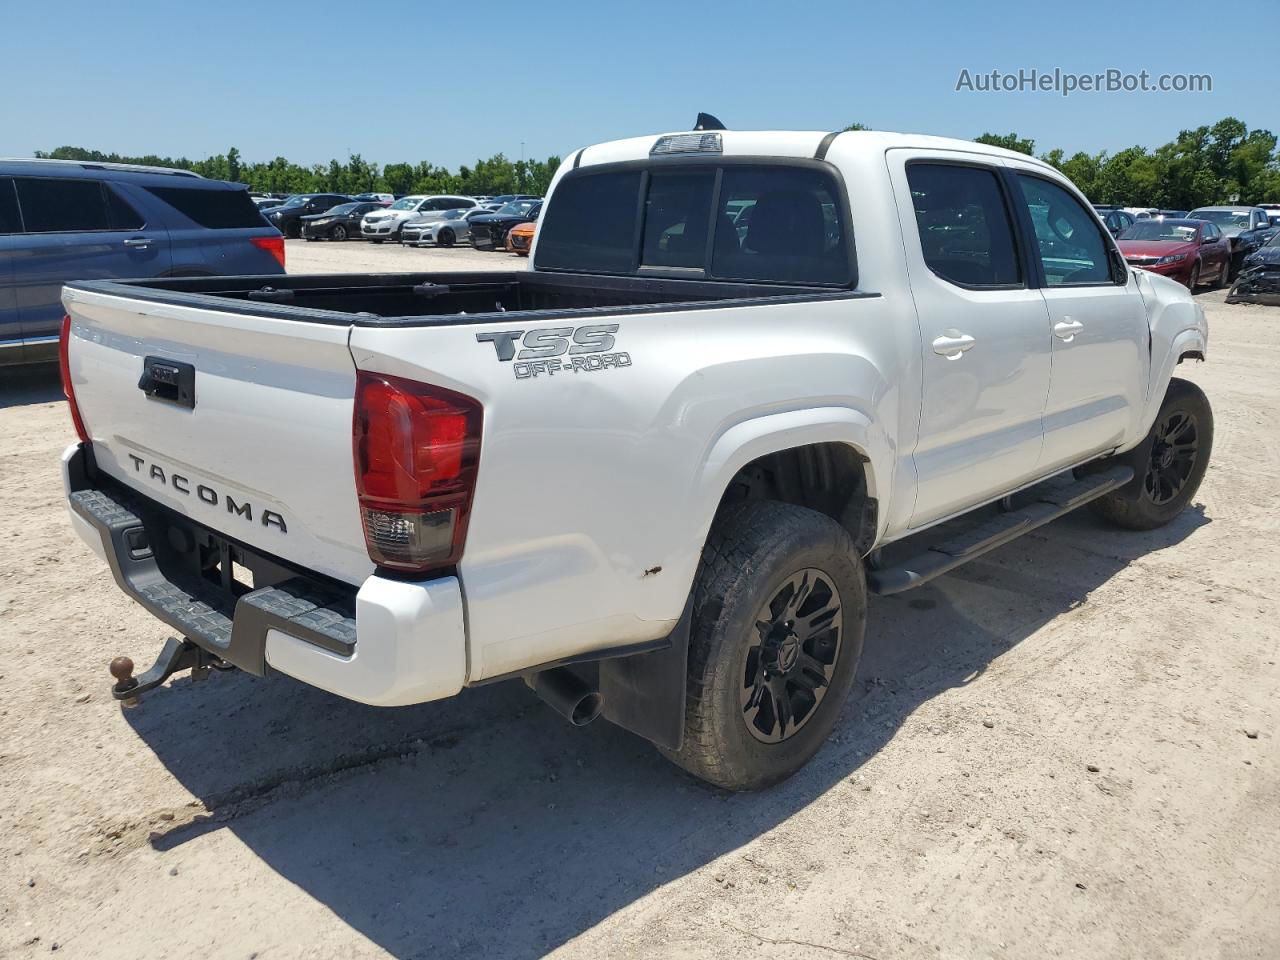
1065, 749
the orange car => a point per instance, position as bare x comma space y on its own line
520, 238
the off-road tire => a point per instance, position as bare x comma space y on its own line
752, 550
1139, 510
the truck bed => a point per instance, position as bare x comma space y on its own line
428, 299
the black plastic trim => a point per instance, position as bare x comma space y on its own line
215, 293
231, 626
825, 145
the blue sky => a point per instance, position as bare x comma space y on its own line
452, 82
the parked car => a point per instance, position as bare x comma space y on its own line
1141, 213
435, 209
497, 203
1259, 280
489, 230
520, 238
287, 218
454, 226
737, 425
386, 224
1189, 251
340, 223
1273, 212
381, 199
265, 203
1172, 214
1117, 221
1247, 228
65, 220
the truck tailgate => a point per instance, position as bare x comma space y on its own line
262, 455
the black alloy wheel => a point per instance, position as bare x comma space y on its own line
792, 657
1173, 456
339, 232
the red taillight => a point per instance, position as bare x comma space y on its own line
64, 341
416, 447
273, 245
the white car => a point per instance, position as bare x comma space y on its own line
386, 224
651, 475
444, 231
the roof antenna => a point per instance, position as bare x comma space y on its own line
706, 121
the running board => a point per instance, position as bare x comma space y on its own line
1053, 498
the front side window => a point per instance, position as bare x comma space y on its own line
966, 235
1072, 248
62, 206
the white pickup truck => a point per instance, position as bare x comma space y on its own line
656, 474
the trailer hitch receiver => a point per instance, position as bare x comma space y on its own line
177, 655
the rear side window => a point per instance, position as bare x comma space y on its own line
10, 221
966, 234
786, 226
121, 213
62, 206
1071, 246
591, 224
216, 209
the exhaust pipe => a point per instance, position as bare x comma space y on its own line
567, 694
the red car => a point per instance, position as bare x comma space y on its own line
1189, 251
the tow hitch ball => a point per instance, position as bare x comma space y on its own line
177, 655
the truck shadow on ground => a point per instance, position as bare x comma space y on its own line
485, 825
38, 383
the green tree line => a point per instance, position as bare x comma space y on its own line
496, 175
1223, 163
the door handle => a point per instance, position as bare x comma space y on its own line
953, 344
1067, 329
138, 242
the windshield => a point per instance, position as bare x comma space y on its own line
406, 203
1223, 218
517, 208
1175, 231
296, 200
1274, 241
344, 208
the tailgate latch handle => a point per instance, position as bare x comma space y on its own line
169, 381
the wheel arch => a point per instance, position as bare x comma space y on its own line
831, 459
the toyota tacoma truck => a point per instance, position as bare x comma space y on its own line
748, 379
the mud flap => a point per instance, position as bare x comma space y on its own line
645, 693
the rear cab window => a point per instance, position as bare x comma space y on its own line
216, 209
728, 219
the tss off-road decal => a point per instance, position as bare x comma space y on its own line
584, 349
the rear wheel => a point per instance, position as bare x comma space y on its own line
1171, 461
339, 232
446, 237
779, 610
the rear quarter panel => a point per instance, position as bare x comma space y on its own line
596, 489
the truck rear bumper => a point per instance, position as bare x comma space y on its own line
389, 643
